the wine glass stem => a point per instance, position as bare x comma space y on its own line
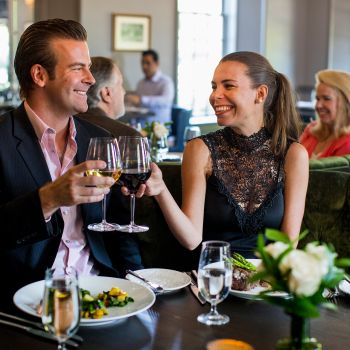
132, 209
61, 346
213, 309
104, 210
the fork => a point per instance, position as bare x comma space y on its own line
38, 325
156, 288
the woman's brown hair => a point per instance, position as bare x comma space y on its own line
281, 118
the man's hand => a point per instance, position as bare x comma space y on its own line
133, 100
74, 188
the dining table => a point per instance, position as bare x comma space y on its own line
171, 323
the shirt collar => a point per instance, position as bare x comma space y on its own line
156, 76
41, 128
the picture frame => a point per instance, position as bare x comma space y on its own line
131, 32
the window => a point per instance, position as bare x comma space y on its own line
201, 42
4, 55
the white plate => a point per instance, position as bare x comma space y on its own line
344, 287
28, 297
254, 292
170, 280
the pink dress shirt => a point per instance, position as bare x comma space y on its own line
338, 147
73, 250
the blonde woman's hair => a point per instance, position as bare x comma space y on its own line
340, 82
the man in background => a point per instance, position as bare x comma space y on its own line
155, 91
106, 98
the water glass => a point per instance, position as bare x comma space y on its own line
214, 279
190, 133
61, 304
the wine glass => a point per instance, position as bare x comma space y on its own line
135, 153
214, 279
61, 304
107, 149
190, 133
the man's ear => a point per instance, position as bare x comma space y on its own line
261, 93
39, 75
105, 94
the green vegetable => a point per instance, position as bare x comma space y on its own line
239, 261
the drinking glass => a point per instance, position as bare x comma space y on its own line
61, 304
135, 154
106, 149
190, 133
214, 279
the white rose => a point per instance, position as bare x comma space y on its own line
276, 249
322, 253
305, 272
160, 130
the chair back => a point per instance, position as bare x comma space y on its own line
180, 118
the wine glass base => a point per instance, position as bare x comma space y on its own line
132, 228
103, 227
213, 320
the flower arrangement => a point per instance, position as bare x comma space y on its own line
157, 134
303, 274
156, 129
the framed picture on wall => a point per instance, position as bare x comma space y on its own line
131, 32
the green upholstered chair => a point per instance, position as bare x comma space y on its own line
331, 163
327, 213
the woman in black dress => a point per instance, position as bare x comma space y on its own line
248, 176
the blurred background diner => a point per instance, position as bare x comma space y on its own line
106, 98
155, 91
329, 135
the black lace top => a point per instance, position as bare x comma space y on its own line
245, 190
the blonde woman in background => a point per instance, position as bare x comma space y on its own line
329, 135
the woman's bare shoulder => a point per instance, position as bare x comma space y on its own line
296, 155
196, 155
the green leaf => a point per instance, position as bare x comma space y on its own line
276, 235
344, 262
302, 235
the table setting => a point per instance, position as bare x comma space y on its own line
169, 309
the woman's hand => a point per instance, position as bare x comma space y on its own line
153, 186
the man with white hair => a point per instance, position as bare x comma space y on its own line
106, 98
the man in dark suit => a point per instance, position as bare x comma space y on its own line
46, 202
106, 98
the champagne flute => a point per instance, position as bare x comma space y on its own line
61, 304
107, 149
135, 155
214, 279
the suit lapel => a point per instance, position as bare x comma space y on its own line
83, 140
29, 148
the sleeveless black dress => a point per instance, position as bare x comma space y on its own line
245, 190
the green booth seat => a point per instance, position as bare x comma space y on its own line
327, 210
327, 217
341, 163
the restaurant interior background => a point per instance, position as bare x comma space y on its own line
299, 37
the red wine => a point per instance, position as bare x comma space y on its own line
132, 179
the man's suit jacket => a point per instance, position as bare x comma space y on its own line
28, 245
98, 117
